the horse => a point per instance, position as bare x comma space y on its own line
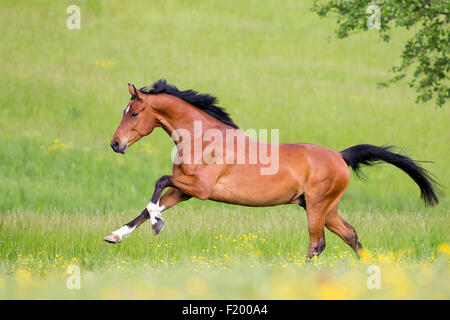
310, 176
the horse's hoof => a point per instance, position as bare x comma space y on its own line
158, 226
113, 238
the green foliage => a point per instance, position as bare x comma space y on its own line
427, 50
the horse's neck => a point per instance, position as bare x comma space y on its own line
175, 114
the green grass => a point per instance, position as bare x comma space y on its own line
271, 65
221, 254
191, 230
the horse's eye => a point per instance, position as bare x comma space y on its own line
134, 114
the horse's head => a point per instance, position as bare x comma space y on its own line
137, 121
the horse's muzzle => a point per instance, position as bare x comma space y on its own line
115, 145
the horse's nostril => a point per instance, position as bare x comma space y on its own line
115, 145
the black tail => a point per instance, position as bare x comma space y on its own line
367, 155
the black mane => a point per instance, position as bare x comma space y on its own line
205, 102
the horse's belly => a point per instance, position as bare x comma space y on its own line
261, 192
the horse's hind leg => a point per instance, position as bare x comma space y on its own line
339, 226
316, 213
319, 204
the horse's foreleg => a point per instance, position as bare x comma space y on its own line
118, 235
158, 204
172, 197
154, 208
152, 212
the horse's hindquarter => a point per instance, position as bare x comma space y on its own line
244, 184
328, 174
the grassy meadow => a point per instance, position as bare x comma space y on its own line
272, 65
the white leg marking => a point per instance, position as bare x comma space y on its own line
124, 231
155, 211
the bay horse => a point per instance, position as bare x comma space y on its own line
308, 175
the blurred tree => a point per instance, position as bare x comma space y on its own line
427, 50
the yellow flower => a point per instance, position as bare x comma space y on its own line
365, 255
444, 248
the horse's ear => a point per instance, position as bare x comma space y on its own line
133, 91
130, 89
